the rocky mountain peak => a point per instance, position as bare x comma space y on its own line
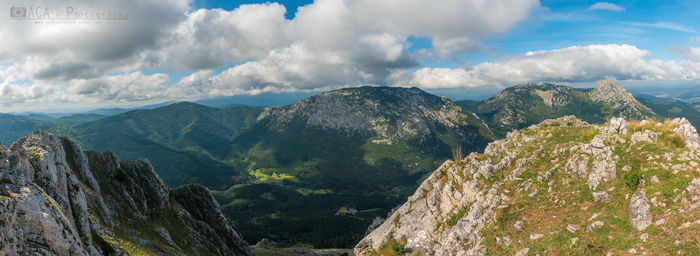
611, 87
624, 104
562, 182
59, 200
384, 111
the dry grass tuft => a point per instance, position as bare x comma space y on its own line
457, 155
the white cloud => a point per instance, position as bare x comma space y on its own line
333, 43
606, 6
664, 25
687, 53
134, 86
212, 38
572, 64
329, 44
66, 50
290, 69
694, 40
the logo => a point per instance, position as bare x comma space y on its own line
18, 12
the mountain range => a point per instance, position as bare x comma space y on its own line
520, 106
298, 173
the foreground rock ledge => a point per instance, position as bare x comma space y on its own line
56, 199
558, 187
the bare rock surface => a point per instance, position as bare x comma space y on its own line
639, 211
56, 199
560, 180
621, 100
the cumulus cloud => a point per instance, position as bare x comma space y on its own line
212, 38
571, 64
330, 43
66, 47
687, 53
606, 6
289, 69
134, 86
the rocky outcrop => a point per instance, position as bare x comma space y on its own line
555, 97
647, 136
624, 104
56, 199
385, 113
561, 183
208, 221
687, 131
639, 211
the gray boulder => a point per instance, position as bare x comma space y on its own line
639, 211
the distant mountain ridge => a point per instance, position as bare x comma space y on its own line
520, 106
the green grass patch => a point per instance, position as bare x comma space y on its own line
455, 217
392, 248
632, 179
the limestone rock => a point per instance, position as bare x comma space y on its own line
647, 136
58, 200
602, 196
639, 211
618, 125
688, 132
624, 104
602, 171
595, 225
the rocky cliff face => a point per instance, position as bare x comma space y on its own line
385, 112
560, 187
624, 104
56, 199
520, 106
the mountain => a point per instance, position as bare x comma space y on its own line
672, 108
59, 200
116, 111
186, 141
67, 119
286, 173
622, 102
562, 187
689, 93
13, 127
520, 106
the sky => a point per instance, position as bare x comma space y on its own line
59, 55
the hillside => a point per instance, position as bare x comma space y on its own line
281, 173
672, 108
338, 160
59, 200
13, 127
521, 106
186, 142
557, 188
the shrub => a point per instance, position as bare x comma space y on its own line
399, 249
632, 179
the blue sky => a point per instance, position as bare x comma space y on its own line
189, 50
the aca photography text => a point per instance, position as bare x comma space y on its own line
67, 14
